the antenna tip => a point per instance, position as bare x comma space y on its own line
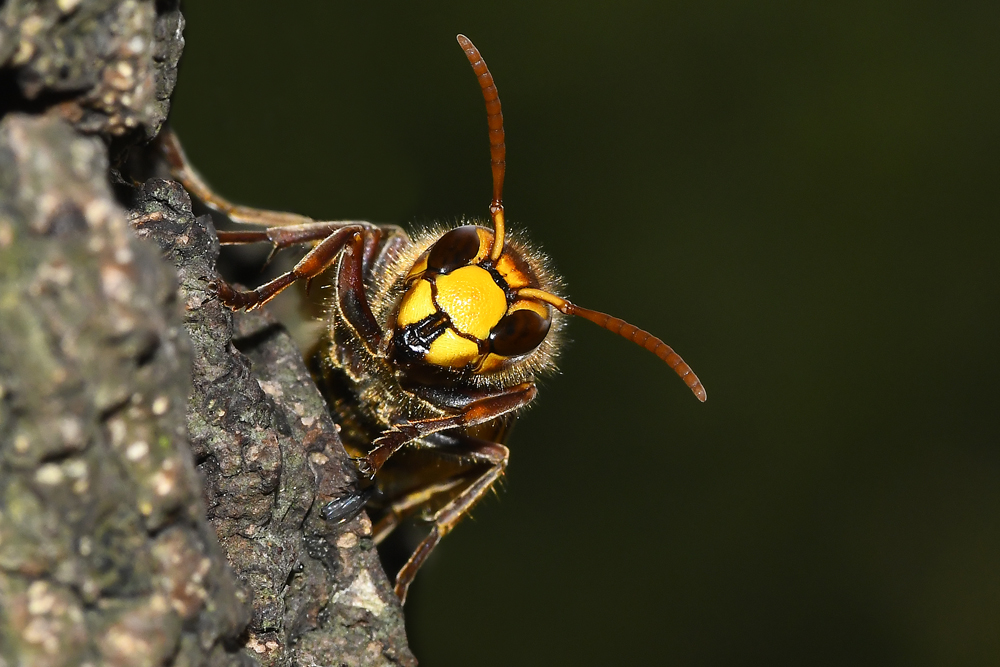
700, 393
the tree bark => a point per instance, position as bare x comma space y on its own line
162, 461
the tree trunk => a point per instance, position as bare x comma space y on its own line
162, 461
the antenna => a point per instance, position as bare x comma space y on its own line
498, 149
625, 330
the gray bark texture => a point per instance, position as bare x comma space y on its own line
163, 462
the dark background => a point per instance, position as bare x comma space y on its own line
801, 198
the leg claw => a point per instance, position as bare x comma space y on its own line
365, 468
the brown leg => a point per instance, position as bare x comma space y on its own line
315, 262
284, 237
284, 228
401, 508
472, 449
182, 170
353, 298
287, 229
476, 412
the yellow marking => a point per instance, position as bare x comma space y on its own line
498, 228
472, 299
450, 349
417, 304
419, 266
523, 304
541, 295
514, 276
492, 363
485, 243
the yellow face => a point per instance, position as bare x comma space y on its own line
461, 310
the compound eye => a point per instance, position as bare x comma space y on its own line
454, 250
519, 333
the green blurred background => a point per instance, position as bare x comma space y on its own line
801, 198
